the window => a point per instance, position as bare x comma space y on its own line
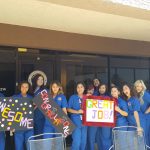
82, 68
7, 72
127, 69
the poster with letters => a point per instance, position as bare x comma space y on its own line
99, 111
16, 113
54, 113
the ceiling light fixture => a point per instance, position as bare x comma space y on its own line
142, 4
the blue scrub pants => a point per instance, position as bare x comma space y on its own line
48, 128
104, 138
39, 122
147, 133
21, 139
121, 122
91, 137
79, 137
2, 140
144, 126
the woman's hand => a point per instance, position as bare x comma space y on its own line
80, 111
140, 131
11, 132
147, 111
117, 109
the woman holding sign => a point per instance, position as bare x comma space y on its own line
134, 112
121, 109
103, 137
79, 135
2, 134
38, 85
21, 137
92, 130
144, 99
58, 96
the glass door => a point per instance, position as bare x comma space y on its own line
35, 60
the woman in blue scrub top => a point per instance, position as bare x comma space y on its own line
21, 137
2, 134
121, 109
91, 131
134, 111
79, 135
144, 99
58, 96
39, 118
104, 134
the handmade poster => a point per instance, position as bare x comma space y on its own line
99, 111
16, 113
54, 113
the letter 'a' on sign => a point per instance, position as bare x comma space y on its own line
54, 113
16, 113
99, 111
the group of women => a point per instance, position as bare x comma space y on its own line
133, 110
41, 124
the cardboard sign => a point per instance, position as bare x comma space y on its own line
99, 111
16, 113
54, 113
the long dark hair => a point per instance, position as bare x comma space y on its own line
34, 82
132, 93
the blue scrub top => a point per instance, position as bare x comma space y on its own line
146, 104
123, 106
104, 95
133, 105
20, 96
61, 100
75, 103
38, 91
96, 91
